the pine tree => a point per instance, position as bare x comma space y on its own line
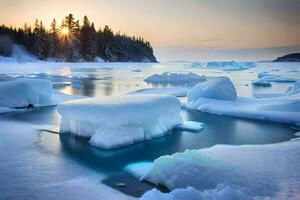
88, 39
53, 39
40, 46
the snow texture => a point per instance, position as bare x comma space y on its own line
218, 96
26, 92
249, 166
175, 91
220, 88
221, 192
117, 121
168, 77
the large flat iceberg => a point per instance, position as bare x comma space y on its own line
116, 121
218, 96
248, 168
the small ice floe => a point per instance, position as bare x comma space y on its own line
175, 91
294, 89
61, 84
24, 92
192, 126
16, 95
266, 77
136, 70
168, 77
121, 184
259, 83
139, 169
228, 65
219, 96
297, 134
117, 121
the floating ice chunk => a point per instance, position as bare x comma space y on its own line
191, 126
248, 166
136, 70
116, 121
219, 97
221, 192
139, 170
261, 83
226, 66
297, 134
26, 92
167, 77
175, 91
294, 89
266, 77
216, 88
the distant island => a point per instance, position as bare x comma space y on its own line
72, 42
294, 57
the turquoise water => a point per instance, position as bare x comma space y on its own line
37, 159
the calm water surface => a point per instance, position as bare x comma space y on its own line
75, 156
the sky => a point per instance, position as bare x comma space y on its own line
219, 24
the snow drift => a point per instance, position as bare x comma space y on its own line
218, 96
248, 167
116, 121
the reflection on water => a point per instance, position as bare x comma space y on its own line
218, 130
35, 160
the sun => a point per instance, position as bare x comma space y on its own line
64, 31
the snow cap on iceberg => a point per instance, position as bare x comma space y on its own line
26, 92
216, 88
117, 121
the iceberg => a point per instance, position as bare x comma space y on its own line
218, 96
24, 92
117, 121
167, 77
247, 167
220, 88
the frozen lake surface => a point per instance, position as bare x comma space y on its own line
39, 164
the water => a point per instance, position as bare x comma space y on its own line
34, 161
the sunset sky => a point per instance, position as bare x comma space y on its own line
175, 23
